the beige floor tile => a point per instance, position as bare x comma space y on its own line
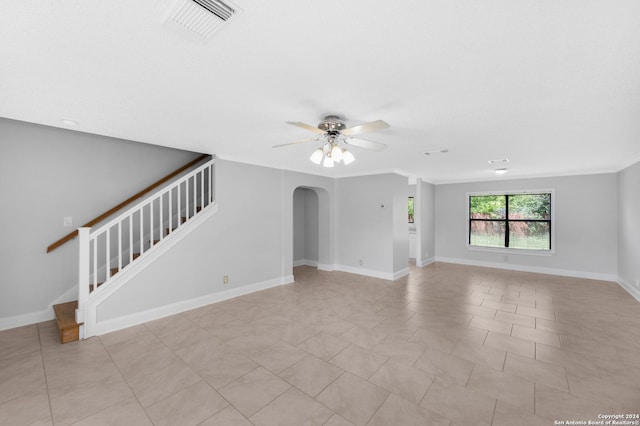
292, 408
573, 362
228, 416
588, 348
620, 397
507, 387
20, 375
127, 412
365, 337
152, 386
337, 420
408, 382
460, 405
278, 357
516, 319
19, 341
202, 351
556, 405
629, 356
311, 375
353, 398
511, 344
536, 313
190, 406
254, 390
558, 327
540, 372
293, 334
400, 350
28, 409
252, 342
481, 354
324, 346
443, 341
447, 368
510, 415
397, 411
536, 335
499, 306
78, 401
358, 360
491, 325
219, 372
619, 373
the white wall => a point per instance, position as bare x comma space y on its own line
368, 212
47, 173
629, 228
585, 225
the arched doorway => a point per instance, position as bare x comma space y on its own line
306, 229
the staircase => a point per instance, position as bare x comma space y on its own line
124, 243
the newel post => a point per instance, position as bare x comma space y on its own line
83, 272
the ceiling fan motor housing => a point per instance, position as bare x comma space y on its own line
332, 124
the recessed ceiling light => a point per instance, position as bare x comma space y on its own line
501, 171
68, 122
503, 160
437, 151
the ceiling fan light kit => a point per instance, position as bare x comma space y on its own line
333, 134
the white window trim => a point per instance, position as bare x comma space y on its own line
515, 250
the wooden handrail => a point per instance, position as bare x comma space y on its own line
129, 200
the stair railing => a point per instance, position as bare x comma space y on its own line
137, 231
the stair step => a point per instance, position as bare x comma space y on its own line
68, 328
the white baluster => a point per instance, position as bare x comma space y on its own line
119, 246
141, 211
170, 211
151, 223
179, 203
95, 262
107, 262
131, 238
161, 208
202, 189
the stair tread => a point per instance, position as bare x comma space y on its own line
66, 314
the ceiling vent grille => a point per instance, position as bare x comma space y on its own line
199, 17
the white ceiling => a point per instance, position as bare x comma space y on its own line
552, 85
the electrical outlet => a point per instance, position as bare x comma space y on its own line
67, 222
225, 279
360, 262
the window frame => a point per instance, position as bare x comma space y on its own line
512, 250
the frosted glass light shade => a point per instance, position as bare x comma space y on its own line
316, 157
336, 153
328, 162
347, 157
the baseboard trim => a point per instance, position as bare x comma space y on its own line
425, 262
38, 316
534, 269
126, 321
634, 292
371, 273
305, 262
326, 267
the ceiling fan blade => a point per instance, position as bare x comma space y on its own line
295, 143
366, 128
362, 143
306, 127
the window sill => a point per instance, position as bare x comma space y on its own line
524, 252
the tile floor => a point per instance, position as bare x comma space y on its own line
447, 345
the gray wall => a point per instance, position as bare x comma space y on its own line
371, 223
241, 241
47, 173
305, 225
585, 224
629, 226
427, 221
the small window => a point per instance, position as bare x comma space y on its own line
410, 209
513, 221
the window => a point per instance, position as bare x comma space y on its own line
513, 221
410, 209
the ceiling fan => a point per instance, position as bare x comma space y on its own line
333, 134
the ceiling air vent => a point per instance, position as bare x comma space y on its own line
199, 17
